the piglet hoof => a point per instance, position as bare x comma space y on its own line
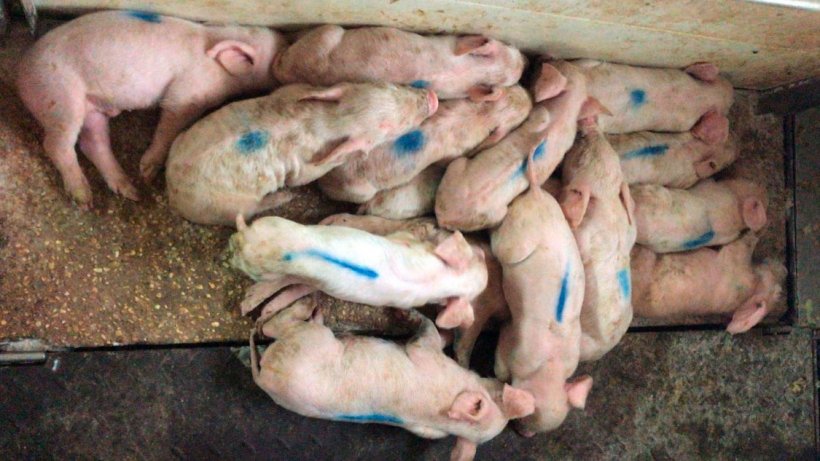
123, 186
149, 170
458, 313
80, 192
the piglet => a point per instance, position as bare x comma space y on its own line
399, 269
543, 282
410, 200
599, 208
361, 379
236, 159
92, 68
458, 127
474, 193
676, 159
642, 98
710, 213
707, 281
453, 67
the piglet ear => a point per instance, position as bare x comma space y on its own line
476, 45
592, 108
578, 390
237, 58
706, 167
574, 203
468, 406
712, 128
550, 83
748, 315
517, 403
339, 154
332, 94
754, 213
455, 251
705, 71
484, 93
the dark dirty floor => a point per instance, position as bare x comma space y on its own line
134, 273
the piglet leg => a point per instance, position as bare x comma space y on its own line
463, 451
95, 143
285, 299
457, 312
298, 313
261, 291
171, 123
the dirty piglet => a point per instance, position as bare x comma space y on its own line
597, 203
643, 98
238, 158
543, 282
711, 213
410, 200
88, 70
359, 379
707, 281
453, 67
399, 269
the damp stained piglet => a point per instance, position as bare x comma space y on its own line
237, 159
654, 99
452, 66
475, 192
458, 127
710, 213
88, 70
707, 281
362, 379
676, 159
400, 269
543, 282
599, 208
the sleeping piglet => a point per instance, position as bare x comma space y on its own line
455, 129
676, 159
706, 281
362, 379
453, 67
599, 208
474, 193
92, 68
543, 282
710, 213
412, 199
399, 269
642, 98
236, 159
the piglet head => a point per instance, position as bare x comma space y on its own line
716, 158
257, 249
552, 407
507, 113
753, 202
247, 54
770, 276
494, 66
486, 416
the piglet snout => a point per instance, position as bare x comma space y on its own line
432, 102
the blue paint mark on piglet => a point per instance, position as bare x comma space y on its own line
409, 143
420, 84
699, 241
371, 418
648, 151
637, 98
252, 141
562, 296
625, 283
539, 151
357, 269
146, 16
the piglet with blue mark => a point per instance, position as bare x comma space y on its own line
458, 127
710, 213
707, 281
362, 379
454, 67
598, 206
400, 269
238, 159
676, 159
653, 99
543, 283
475, 193
88, 70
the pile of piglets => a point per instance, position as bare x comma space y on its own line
531, 208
